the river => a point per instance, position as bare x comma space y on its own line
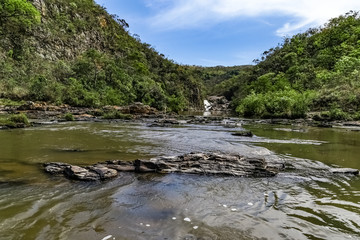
305, 202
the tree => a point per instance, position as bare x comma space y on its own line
17, 15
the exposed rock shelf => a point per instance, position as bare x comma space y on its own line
194, 163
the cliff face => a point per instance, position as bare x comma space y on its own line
81, 55
67, 29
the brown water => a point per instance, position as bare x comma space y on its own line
306, 202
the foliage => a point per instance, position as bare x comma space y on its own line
9, 102
15, 121
69, 117
81, 55
281, 104
283, 83
16, 15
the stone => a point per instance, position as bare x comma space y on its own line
350, 171
120, 166
79, 173
193, 163
218, 103
243, 134
104, 172
55, 167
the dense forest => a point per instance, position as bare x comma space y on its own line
74, 52
317, 71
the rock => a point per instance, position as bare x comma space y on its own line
79, 173
243, 134
40, 106
138, 109
55, 167
168, 121
104, 172
323, 125
121, 166
352, 124
218, 103
345, 171
193, 163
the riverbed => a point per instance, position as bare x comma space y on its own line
304, 202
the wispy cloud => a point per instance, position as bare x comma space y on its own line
183, 14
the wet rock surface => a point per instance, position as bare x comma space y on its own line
194, 163
350, 171
243, 134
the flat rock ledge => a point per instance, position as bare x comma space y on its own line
193, 163
349, 171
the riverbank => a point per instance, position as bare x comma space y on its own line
41, 113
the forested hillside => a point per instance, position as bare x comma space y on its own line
318, 70
74, 52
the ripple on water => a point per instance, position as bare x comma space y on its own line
305, 203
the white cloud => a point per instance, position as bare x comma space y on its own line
301, 13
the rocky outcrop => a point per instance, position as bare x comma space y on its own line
194, 163
138, 108
218, 103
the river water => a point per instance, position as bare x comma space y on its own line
305, 202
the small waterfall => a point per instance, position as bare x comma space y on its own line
207, 105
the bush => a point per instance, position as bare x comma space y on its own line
15, 121
338, 114
116, 115
19, 118
279, 104
69, 117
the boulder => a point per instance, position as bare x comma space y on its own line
55, 167
218, 103
103, 172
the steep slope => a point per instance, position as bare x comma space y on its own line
74, 52
318, 70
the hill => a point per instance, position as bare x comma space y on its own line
318, 71
74, 52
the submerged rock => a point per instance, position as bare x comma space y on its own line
193, 163
243, 134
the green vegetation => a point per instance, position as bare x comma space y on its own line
117, 115
69, 117
14, 121
9, 102
318, 70
74, 52
80, 55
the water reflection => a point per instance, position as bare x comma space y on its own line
305, 202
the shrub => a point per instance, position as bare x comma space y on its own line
338, 114
19, 118
286, 103
69, 117
116, 115
15, 121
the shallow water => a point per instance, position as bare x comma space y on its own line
305, 202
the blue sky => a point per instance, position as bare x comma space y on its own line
222, 32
